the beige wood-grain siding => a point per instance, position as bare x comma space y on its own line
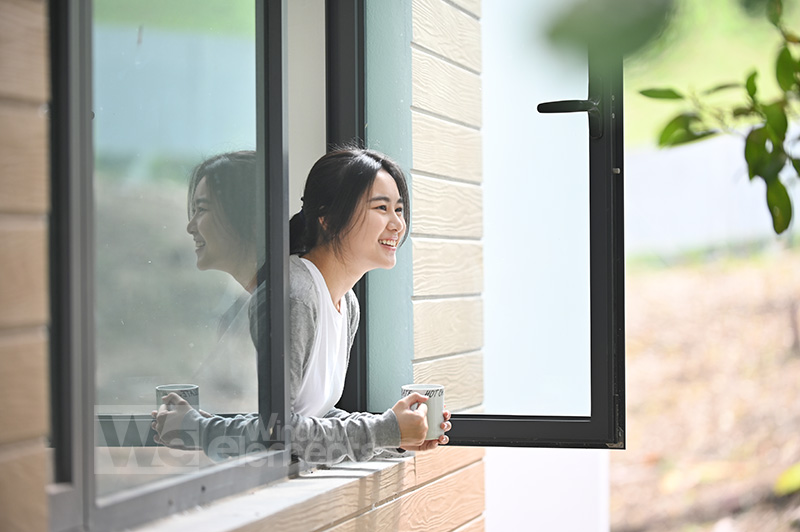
444, 89
447, 267
23, 390
24, 183
446, 208
23, 500
476, 525
446, 148
450, 501
461, 376
448, 31
473, 6
444, 460
23, 50
447, 326
23, 271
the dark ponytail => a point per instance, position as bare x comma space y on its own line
334, 188
297, 229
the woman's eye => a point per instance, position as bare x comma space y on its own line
382, 207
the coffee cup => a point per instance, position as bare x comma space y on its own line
189, 392
435, 404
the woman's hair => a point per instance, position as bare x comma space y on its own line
231, 184
334, 188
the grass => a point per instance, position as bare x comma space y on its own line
728, 254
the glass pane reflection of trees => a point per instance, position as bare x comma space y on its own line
174, 83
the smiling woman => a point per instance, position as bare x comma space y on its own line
222, 216
352, 221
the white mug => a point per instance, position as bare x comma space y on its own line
435, 404
189, 392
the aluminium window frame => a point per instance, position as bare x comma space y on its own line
346, 124
604, 428
72, 498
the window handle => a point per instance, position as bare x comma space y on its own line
575, 106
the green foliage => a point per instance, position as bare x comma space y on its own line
663, 94
589, 23
767, 149
683, 129
788, 482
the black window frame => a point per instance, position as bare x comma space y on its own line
604, 428
72, 498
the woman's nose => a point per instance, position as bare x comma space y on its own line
190, 227
397, 223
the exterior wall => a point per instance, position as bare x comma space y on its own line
24, 312
447, 199
447, 204
441, 490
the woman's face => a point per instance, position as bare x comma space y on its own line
215, 246
377, 228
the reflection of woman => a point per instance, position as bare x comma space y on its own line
222, 212
353, 219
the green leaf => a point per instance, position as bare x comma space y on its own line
774, 12
788, 482
677, 127
764, 158
679, 131
662, 94
776, 121
788, 36
722, 87
780, 205
785, 67
751, 84
691, 136
796, 164
755, 150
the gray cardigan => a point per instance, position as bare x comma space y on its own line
328, 439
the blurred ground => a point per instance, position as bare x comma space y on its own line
713, 396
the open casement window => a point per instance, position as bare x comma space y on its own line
560, 360
142, 93
553, 297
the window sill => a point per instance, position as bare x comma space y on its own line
314, 499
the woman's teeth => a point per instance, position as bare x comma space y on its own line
392, 243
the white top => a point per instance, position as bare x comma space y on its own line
323, 381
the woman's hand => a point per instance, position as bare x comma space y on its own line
429, 445
414, 424
168, 422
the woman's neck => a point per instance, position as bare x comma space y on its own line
339, 277
246, 274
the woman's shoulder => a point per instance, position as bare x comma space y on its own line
301, 283
353, 309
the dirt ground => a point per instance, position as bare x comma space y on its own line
713, 396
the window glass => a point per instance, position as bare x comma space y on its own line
536, 219
174, 84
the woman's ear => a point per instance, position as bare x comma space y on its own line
322, 223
